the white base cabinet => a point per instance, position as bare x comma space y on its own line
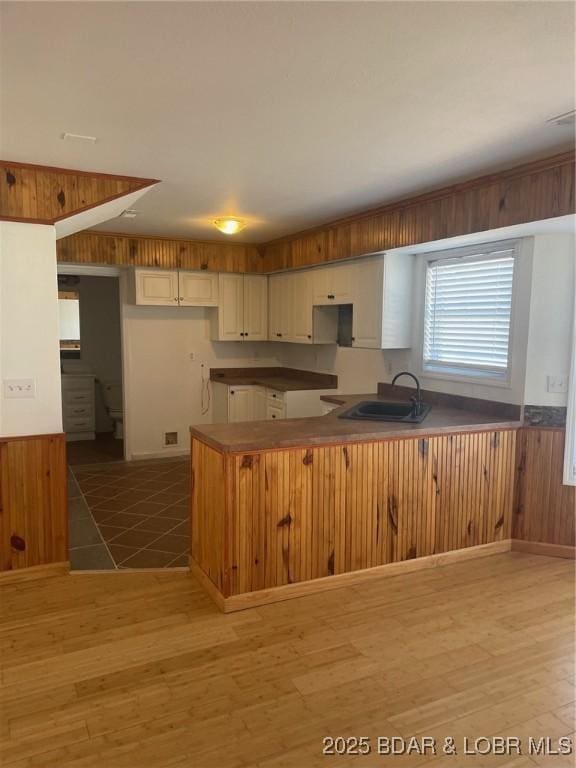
78, 408
248, 402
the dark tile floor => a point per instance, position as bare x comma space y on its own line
138, 512
105, 447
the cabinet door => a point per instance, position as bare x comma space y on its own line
241, 404
301, 308
259, 403
334, 285
367, 308
230, 307
156, 287
198, 289
280, 304
255, 308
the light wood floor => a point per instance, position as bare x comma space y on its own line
134, 670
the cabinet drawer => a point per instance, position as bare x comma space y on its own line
74, 397
274, 398
78, 410
276, 411
78, 424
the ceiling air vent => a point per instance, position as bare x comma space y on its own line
568, 118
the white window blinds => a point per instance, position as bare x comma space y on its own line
468, 310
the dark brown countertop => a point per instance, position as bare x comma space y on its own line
325, 430
278, 378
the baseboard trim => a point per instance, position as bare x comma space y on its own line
210, 587
34, 572
543, 548
338, 581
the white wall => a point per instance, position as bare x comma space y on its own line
551, 317
29, 328
162, 386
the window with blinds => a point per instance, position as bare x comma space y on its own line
468, 311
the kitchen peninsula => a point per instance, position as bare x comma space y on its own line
281, 509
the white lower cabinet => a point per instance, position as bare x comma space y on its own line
78, 409
248, 402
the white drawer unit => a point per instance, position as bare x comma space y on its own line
78, 413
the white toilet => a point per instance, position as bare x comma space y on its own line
112, 393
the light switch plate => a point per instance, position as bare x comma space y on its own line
18, 388
557, 384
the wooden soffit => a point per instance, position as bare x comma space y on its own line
535, 191
40, 194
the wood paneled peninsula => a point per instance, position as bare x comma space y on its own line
281, 509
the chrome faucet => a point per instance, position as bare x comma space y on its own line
417, 400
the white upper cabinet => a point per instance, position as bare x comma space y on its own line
255, 307
302, 328
230, 325
280, 289
198, 289
156, 287
334, 285
172, 288
382, 309
242, 313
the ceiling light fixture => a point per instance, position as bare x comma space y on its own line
130, 213
229, 225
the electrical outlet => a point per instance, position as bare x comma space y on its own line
17, 388
557, 384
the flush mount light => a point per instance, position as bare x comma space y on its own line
130, 213
229, 225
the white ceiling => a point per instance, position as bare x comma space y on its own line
287, 113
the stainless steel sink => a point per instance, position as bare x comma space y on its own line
378, 410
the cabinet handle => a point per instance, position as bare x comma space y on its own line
330, 296
309, 336
353, 338
245, 334
175, 298
231, 391
278, 334
181, 298
273, 415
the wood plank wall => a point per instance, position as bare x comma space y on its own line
98, 248
40, 194
292, 515
531, 192
544, 509
33, 514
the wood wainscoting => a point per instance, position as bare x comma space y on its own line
33, 494
544, 509
269, 519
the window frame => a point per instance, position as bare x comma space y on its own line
462, 373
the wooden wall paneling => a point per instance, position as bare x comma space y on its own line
544, 509
531, 192
33, 513
306, 513
42, 194
121, 250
